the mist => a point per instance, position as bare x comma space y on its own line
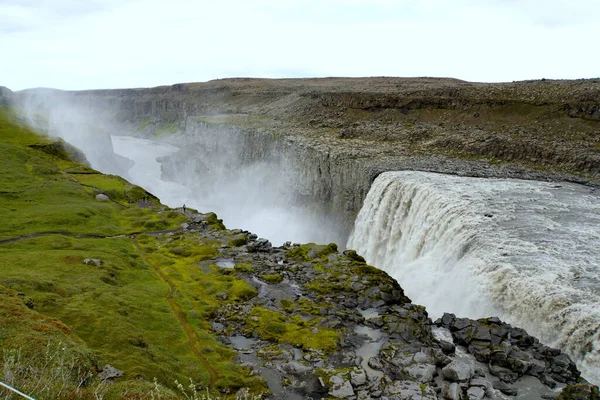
205, 169
59, 115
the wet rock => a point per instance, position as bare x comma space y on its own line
457, 371
358, 378
447, 347
408, 390
259, 245
340, 388
451, 391
294, 367
475, 393
504, 388
503, 373
421, 372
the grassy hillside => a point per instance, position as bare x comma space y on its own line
138, 305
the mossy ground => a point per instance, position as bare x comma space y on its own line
143, 310
273, 326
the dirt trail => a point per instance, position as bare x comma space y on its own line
192, 337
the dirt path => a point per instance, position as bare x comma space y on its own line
191, 335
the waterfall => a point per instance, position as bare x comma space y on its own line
522, 250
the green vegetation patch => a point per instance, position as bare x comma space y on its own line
272, 278
310, 251
276, 327
140, 303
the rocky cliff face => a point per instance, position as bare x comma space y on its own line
331, 137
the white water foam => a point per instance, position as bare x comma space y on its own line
248, 199
146, 170
523, 250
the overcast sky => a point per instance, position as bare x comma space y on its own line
86, 44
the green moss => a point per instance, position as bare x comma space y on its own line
354, 256
299, 252
244, 268
239, 240
272, 278
273, 326
144, 125
331, 248
213, 221
579, 392
240, 290
166, 129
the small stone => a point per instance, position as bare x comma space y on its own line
90, 261
221, 296
102, 197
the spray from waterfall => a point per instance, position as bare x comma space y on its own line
525, 251
206, 166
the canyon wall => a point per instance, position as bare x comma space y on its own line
328, 139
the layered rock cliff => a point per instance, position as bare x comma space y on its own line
339, 133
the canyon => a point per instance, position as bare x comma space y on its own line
300, 160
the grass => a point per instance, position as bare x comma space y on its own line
144, 309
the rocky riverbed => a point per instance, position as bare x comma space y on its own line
323, 324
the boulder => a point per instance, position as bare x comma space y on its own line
475, 393
421, 372
340, 388
358, 378
109, 373
457, 371
408, 390
504, 388
451, 391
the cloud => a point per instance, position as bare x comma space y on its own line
131, 43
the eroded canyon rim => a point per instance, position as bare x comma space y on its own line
338, 134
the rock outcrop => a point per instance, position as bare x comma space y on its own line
322, 323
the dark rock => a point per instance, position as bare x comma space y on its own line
447, 347
504, 388
457, 371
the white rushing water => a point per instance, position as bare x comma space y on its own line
146, 170
526, 251
247, 200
